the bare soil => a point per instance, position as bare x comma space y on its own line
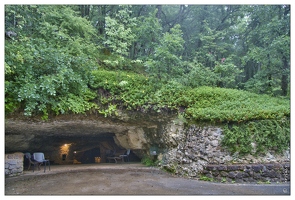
124, 179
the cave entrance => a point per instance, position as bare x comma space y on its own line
83, 149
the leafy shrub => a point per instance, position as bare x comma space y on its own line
230, 105
148, 161
206, 178
265, 134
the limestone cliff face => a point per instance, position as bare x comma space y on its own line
128, 130
185, 150
189, 150
134, 138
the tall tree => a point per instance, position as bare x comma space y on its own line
268, 44
148, 35
166, 61
119, 33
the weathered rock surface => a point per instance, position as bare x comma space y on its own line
186, 151
199, 147
129, 130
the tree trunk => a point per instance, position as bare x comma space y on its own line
284, 81
101, 19
159, 7
82, 11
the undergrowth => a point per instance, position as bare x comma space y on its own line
147, 161
257, 137
212, 104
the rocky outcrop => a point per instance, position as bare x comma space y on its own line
184, 150
69, 133
200, 146
134, 138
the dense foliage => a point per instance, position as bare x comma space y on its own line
216, 63
137, 92
258, 136
47, 67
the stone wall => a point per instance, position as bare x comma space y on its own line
271, 172
14, 164
198, 148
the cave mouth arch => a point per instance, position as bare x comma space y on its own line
61, 135
72, 149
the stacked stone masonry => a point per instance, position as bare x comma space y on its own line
271, 172
199, 152
14, 164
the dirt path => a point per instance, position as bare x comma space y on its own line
124, 179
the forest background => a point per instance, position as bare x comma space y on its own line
227, 46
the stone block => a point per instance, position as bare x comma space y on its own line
13, 171
257, 176
239, 175
247, 170
215, 173
209, 175
235, 167
232, 175
238, 180
214, 143
212, 167
11, 167
12, 162
248, 166
250, 179
277, 166
223, 174
269, 166
245, 175
222, 167
271, 174
257, 168
193, 174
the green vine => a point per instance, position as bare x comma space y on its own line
257, 137
110, 111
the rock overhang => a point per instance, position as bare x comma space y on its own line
128, 130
